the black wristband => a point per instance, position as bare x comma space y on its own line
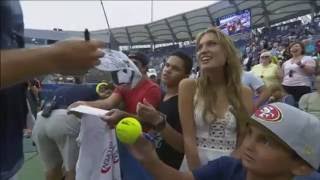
161, 124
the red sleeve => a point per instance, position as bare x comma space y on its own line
153, 96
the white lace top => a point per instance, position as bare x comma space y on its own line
215, 139
220, 134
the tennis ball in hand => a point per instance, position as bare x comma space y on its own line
128, 130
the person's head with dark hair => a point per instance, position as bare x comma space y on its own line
187, 60
140, 60
296, 49
177, 67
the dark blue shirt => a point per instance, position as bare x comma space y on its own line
13, 99
228, 168
224, 168
67, 95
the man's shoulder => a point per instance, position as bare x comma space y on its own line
255, 67
274, 65
147, 84
188, 83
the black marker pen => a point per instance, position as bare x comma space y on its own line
86, 35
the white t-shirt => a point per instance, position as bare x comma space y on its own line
298, 78
252, 81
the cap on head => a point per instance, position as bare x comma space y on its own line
267, 53
298, 129
140, 57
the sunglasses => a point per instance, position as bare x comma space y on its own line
291, 73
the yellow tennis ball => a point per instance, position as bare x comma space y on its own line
128, 130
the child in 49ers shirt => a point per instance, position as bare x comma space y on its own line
281, 143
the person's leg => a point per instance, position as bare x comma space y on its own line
48, 150
301, 90
70, 175
54, 173
66, 140
70, 152
292, 90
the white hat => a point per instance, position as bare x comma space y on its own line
123, 70
267, 53
298, 129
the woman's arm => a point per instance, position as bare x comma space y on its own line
149, 115
173, 138
187, 89
308, 67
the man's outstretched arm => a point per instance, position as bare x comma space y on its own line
66, 57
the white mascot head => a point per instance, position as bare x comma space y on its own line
123, 70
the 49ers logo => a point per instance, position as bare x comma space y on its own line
269, 113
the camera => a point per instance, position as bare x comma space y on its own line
291, 73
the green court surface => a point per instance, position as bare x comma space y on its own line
32, 168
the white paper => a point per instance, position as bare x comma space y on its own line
89, 110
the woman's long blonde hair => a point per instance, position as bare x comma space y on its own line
206, 91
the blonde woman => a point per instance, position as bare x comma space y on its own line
213, 108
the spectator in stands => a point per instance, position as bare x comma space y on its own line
266, 70
260, 91
213, 107
145, 89
286, 53
310, 47
169, 147
55, 131
278, 94
271, 149
274, 59
317, 55
311, 102
33, 96
275, 49
296, 72
33, 103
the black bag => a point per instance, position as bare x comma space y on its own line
49, 107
